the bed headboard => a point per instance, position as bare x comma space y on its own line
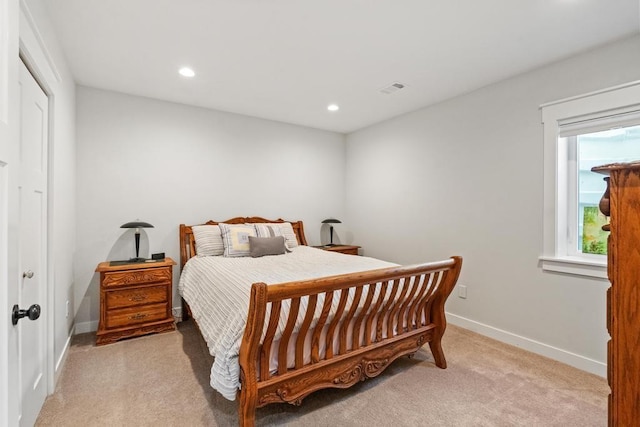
188, 245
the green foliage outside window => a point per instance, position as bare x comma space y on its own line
594, 239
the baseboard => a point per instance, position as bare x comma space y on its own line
62, 359
84, 327
572, 359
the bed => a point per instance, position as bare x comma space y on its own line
281, 327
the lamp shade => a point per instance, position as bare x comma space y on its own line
136, 224
332, 221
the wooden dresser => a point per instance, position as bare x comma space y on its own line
621, 203
135, 299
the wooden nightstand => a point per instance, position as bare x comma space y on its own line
135, 299
343, 249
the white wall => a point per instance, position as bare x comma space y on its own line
168, 164
464, 177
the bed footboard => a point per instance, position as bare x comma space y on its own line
338, 330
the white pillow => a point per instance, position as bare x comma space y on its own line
235, 238
268, 230
279, 229
289, 234
208, 240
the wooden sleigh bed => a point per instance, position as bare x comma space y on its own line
366, 321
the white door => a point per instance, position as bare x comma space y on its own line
32, 288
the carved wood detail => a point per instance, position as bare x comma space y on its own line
136, 276
362, 371
337, 373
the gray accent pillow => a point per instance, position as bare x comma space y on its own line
261, 246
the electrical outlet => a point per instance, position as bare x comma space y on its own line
462, 291
67, 315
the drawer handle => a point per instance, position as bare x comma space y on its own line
138, 316
138, 298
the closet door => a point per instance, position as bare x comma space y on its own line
32, 253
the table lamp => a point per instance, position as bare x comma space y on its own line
331, 221
137, 225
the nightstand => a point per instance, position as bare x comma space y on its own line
343, 249
135, 299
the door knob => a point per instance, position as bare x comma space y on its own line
28, 274
32, 313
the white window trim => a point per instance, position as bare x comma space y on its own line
615, 100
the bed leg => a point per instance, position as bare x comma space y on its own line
248, 358
246, 411
438, 315
438, 354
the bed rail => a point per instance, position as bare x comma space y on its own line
353, 326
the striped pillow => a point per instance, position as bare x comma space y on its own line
278, 229
235, 238
208, 240
289, 234
268, 230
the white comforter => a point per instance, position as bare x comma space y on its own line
218, 288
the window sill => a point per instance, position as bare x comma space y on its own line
575, 266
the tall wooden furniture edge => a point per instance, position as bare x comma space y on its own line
621, 203
346, 368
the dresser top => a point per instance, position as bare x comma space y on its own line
106, 266
605, 169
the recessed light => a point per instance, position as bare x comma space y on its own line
186, 72
333, 107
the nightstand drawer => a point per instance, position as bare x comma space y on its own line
134, 315
137, 296
136, 277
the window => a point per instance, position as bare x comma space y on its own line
586, 150
579, 133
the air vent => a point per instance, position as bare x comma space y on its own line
392, 88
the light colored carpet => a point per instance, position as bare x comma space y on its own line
163, 380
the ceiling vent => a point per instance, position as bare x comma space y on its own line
392, 88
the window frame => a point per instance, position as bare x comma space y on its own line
583, 109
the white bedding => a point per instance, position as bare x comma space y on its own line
222, 320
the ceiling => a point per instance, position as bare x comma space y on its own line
286, 60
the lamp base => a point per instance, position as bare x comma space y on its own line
128, 261
331, 244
